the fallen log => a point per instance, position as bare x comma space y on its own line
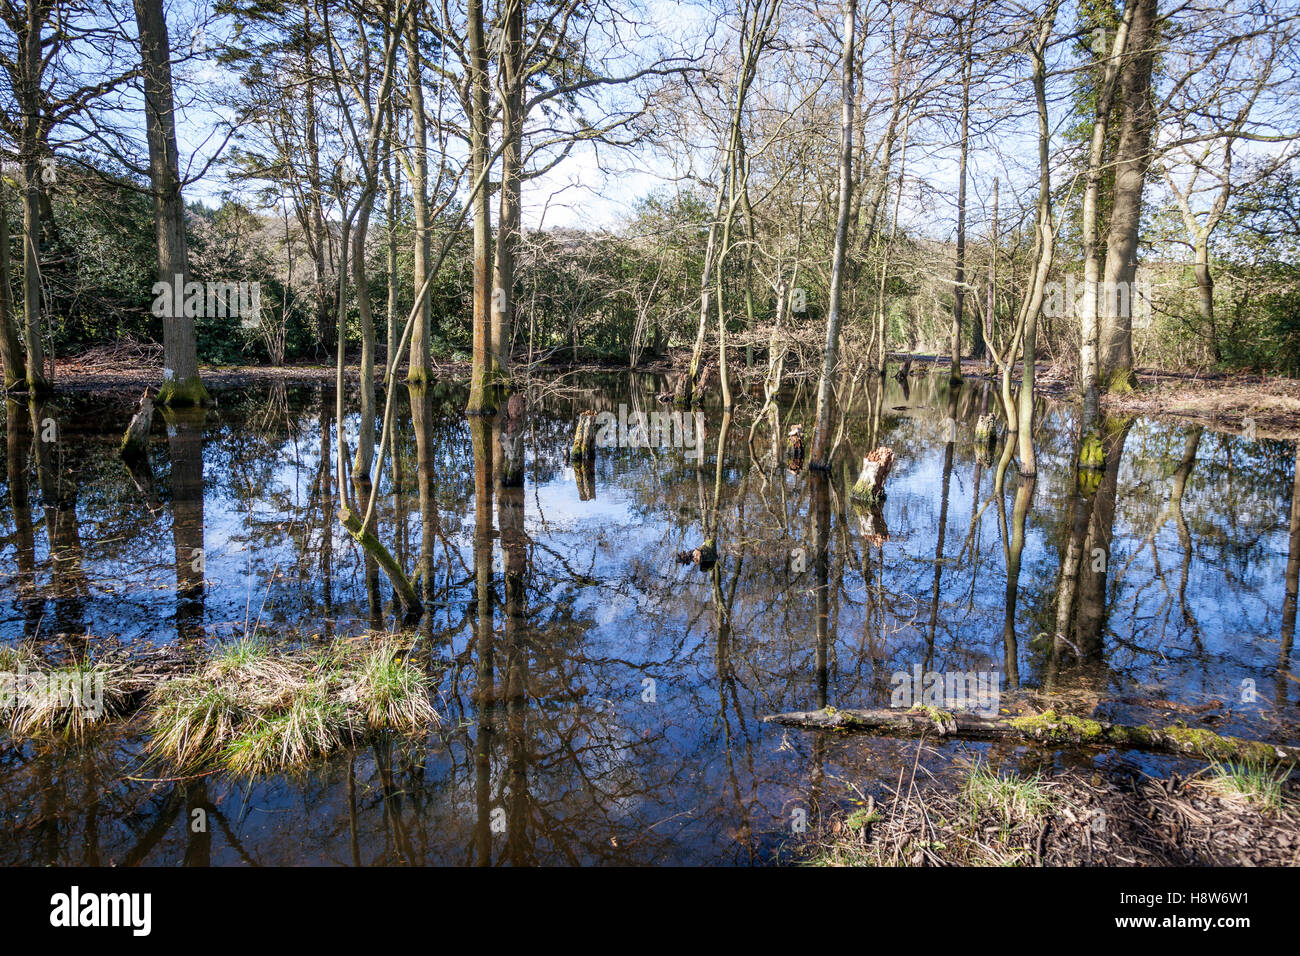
1050, 728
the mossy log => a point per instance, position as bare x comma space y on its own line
870, 486
1050, 728
135, 443
411, 604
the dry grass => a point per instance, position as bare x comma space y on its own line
1223, 817
40, 702
254, 710
1262, 787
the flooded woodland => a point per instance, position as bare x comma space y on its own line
777, 433
599, 700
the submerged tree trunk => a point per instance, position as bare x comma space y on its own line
181, 383
821, 433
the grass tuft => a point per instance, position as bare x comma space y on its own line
255, 711
1252, 783
42, 702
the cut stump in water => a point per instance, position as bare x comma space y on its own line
1050, 727
706, 555
870, 486
794, 447
871, 524
584, 438
135, 443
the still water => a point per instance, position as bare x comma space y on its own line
601, 701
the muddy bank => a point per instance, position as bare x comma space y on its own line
1248, 404
1262, 406
102, 370
1069, 818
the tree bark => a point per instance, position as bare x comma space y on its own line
420, 370
821, 433
181, 382
959, 285
1089, 323
480, 400
1132, 163
508, 221
11, 349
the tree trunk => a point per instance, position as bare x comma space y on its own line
181, 382
421, 365
959, 286
11, 349
1132, 163
821, 433
1089, 322
480, 401
512, 131
28, 96
1046, 242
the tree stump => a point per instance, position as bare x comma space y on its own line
794, 447
584, 438
135, 443
705, 556
870, 486
871, 524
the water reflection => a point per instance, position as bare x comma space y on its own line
601, 701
